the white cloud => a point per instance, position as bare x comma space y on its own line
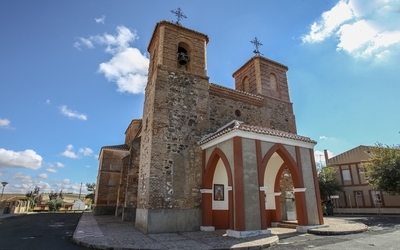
323, 137
48, 102
73, 114
4, 123
44, 186
42, 176
24, 178
86, 151
51, 170
69, 153
128, 67
101, 19
361, 29
83, 41
66, 181
330, 20
60, 165
22, 159
118, 42
57, 184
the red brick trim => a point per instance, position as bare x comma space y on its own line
301, 205
208, 176
263, 215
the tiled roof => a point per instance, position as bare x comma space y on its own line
123, 147
238, 125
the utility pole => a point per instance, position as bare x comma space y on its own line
80, 191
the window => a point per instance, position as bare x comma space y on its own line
346, 175
358, 193
361, 170
376, 197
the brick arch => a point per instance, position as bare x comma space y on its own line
212, 164
208, 176
297, 178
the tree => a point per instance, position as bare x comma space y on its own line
91, 187
328, 184
383, 168
55, 204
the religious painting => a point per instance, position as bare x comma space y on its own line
218, 192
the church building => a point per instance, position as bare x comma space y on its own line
206, 157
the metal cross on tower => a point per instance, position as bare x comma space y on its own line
179, 14
257, 44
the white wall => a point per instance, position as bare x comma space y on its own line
220, 177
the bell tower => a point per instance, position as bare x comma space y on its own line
175, 117
267, 78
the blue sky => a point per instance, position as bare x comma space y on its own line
73, 74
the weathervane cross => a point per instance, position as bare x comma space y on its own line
179, 14
257, 44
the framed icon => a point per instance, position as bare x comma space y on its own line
218, 192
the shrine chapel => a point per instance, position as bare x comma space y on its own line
207, 157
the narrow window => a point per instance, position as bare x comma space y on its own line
346, 175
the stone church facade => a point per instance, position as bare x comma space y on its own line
204, 156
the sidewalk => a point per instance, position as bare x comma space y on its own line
109, 232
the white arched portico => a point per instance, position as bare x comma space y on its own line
247, 162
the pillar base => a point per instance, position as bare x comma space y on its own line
207, 228
304, 229
245, 234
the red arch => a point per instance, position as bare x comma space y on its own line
211, 166
208, 176
288, 160
297, 178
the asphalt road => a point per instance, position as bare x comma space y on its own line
384, 233
39, 231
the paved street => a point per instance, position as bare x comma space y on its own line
39, 231
54, 231
384, 233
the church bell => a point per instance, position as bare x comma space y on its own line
183, 58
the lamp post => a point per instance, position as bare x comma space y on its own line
4, 183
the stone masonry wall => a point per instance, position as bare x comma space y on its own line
180, 119
272, 114
109, 177
132, 175
132, 131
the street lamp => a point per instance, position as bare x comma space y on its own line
4, 183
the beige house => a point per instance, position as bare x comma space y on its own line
357, 196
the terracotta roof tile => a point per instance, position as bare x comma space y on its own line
238, 125
123, 147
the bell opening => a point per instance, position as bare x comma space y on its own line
183, 57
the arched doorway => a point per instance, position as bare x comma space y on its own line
274, 163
